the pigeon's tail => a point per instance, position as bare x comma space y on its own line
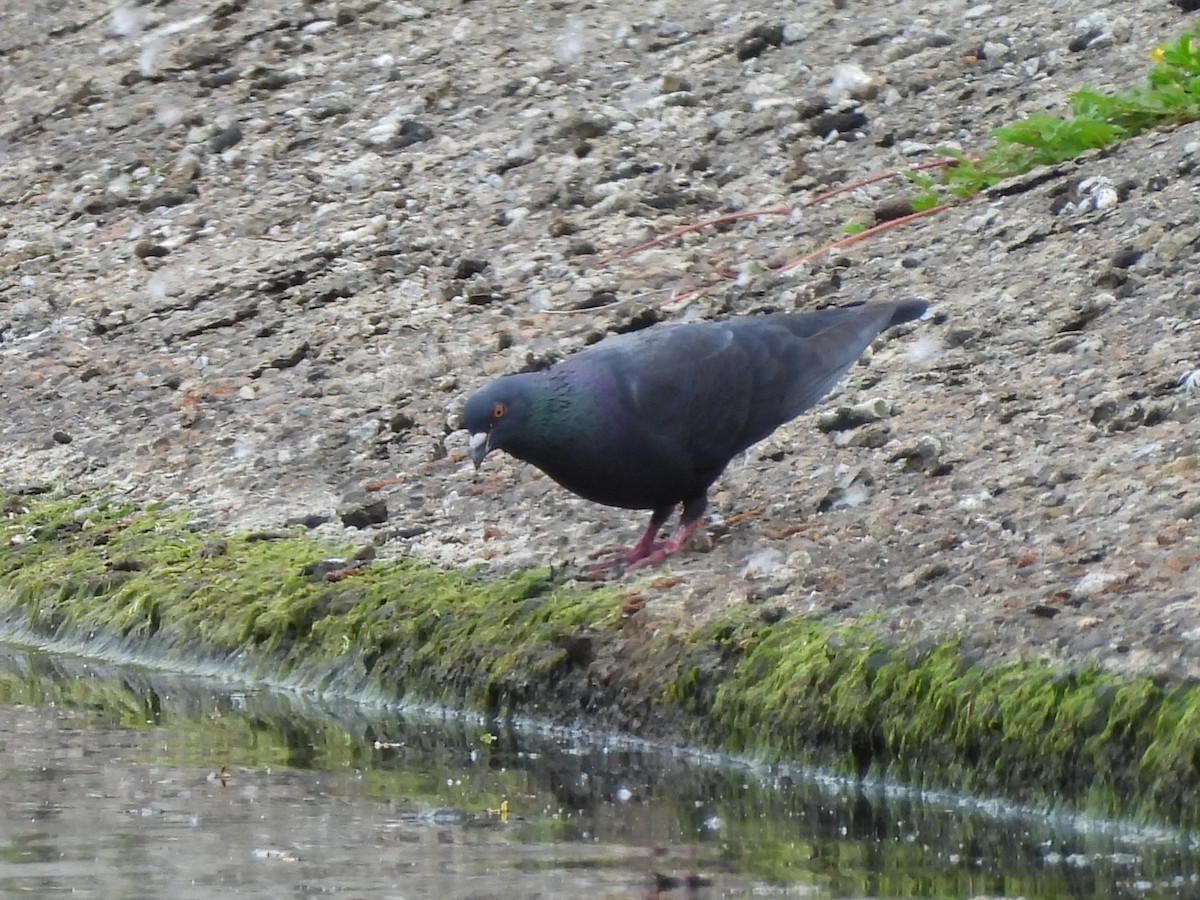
905, 311
836, 338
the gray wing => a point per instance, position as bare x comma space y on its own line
681, 393
824, 345
701, 393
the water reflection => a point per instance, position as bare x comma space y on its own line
120, 782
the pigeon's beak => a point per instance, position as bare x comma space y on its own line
479, 447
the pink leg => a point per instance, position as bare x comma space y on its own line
659, 552
647, 552
646, 545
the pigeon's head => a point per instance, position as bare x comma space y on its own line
496, 416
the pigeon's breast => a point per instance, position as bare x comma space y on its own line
596, 441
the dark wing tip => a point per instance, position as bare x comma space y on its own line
907, 310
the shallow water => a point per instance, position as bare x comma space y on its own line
117, 782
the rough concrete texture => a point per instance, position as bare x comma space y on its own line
253, 257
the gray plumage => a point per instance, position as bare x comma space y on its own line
649, 420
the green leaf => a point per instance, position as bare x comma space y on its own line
925, 200
1170, 95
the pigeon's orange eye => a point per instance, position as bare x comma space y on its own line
498, 411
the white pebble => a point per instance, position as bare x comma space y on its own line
763, 562
794, 33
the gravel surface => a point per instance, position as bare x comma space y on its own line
253, 257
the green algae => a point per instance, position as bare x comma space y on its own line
141, 582
1111, 744
98, 574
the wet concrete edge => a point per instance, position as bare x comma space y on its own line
93, 575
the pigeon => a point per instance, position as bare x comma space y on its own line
650, 419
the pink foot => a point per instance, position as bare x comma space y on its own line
648, 551
617, 559
657, 552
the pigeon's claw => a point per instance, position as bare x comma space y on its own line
641, 554
646, 546
647, 551
660, 551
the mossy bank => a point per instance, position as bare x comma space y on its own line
107, 579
